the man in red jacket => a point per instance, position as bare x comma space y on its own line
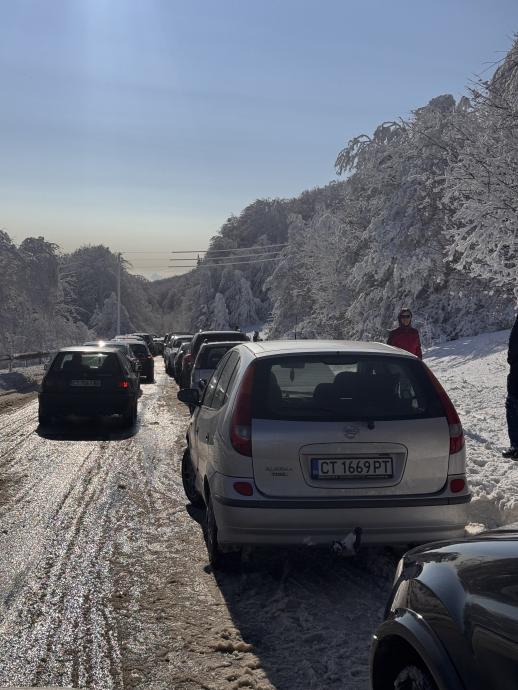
406, 337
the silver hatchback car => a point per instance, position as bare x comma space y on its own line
310, 442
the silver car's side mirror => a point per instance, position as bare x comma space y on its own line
189, 396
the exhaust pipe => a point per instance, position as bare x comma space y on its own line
350, 545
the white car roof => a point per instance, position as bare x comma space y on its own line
283, 347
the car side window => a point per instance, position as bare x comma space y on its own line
211, 386
220, 395
125, 365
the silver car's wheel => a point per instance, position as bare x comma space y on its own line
218, 559
188, 481
414, 678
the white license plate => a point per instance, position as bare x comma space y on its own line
86, 383
351, 468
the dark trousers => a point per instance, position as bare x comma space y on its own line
511, 409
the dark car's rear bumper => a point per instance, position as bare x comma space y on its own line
147, 368
91, 404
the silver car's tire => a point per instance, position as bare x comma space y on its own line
188, 481
414, 678
219, 560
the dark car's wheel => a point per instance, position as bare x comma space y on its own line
219, 560
414, 678
188, 480
130, 418
44, 419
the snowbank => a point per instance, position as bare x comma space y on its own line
474, 370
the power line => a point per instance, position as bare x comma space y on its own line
226, 263
235, 249
239, 256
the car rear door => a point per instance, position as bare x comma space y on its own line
213, 403
300, 448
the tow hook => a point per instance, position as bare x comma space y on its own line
350, 545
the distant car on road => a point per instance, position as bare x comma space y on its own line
148, 337
172, 348
120, 345
158, 343
206, 362
298, 442
196, 343
144, 356
89, 381
451, 622
178, 361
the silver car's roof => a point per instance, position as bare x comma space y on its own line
283, 347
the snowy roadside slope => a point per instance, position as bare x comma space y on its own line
474, 370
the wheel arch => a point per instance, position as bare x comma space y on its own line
406, 639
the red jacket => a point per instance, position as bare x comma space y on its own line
407, 338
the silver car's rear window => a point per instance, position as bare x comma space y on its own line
344, 387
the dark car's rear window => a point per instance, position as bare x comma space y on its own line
86, 362
139, 349
210, 357
183, 339
343, 387
214, 336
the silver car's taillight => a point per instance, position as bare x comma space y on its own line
454, 423
241, 424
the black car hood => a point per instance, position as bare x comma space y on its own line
478, 575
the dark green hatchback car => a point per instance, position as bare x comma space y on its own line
89, 381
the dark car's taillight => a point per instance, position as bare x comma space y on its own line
454, 423
241, 424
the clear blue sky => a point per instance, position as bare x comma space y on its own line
143, 124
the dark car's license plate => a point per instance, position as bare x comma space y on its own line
85, 383
351, 468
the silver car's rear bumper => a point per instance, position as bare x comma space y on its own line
387, 520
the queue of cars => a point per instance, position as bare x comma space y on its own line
330, 442
89, 380
296, 442
98, 378
308, 442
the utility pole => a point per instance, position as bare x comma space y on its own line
118, 293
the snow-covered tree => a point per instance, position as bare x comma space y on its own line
482, 181
220, 317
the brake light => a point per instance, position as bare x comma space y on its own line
241, 424
187, 359
454, 424
457, 485
244, 488
123, 384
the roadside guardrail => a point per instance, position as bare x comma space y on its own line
7, 361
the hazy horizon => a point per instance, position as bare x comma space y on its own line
145, 125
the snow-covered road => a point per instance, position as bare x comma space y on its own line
474, 372
103, 569
104, 580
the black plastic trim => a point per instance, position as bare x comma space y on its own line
304, 504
